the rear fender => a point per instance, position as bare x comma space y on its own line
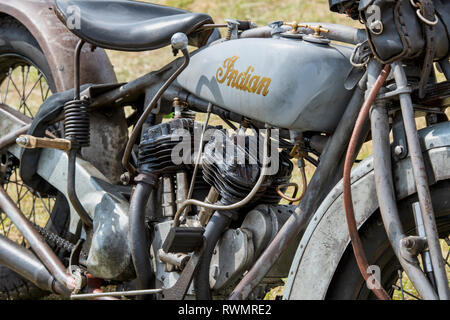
326, 238
108, 131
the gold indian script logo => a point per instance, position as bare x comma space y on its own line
244, 81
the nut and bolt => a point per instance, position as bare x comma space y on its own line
399, 151
414, 244
125, 178
22, 141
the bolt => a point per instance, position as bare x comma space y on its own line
125, 178
408, 243
23, 141
399, 150
216, 272
415, 245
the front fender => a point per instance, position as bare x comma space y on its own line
326, 238
108, 131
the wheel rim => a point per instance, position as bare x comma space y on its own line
24, 87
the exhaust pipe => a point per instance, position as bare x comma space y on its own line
26, 264
39, 246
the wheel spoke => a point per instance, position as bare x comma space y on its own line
2, 218
406, 292
43, 203
400, 278
24, 80
24, 85
18, 92
26, 108
7, 85
33, 87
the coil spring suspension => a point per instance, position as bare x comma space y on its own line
76, 124
77, 130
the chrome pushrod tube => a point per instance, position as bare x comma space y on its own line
386, 198
24, 262
421, 180
39, 246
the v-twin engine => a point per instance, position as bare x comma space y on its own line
228, 170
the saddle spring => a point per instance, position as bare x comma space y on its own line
76, 115
77, 124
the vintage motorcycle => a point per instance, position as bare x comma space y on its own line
92, 196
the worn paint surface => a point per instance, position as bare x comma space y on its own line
285, 83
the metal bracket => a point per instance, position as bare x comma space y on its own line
180, 288
400, 144
396, 92
233, 27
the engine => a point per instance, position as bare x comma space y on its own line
229, 168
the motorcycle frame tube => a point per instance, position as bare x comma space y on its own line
336, 32
129, 91
24, 262
10, 138
330, 169
387, 201
421, 180
40, 247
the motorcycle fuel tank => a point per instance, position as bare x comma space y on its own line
291, 84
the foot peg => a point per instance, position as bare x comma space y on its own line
183, 240
30, 142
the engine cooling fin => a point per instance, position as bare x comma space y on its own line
233, 170
158, 143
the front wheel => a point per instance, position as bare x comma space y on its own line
348, 283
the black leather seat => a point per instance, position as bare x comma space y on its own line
130, 25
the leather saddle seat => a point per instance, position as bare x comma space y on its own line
127, 25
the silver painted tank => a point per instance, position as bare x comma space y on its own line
292, 84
